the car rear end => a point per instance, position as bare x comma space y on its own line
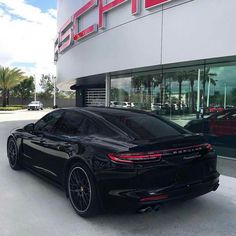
164, 174
148, 172
33, 106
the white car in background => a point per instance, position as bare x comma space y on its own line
121, 104
126, 104
156, 106
35, 105
114, 103
133, 105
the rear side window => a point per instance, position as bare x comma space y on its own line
76, 124
142, 126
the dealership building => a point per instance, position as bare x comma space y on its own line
175, 57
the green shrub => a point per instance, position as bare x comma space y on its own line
13, 108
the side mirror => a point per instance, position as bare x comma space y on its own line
29, 128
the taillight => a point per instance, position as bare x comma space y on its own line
209, 147
131, 157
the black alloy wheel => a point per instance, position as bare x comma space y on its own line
13, 155
82, 191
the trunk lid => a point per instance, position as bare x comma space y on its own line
183, 161
168, 143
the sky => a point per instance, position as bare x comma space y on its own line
27, 34
44, 5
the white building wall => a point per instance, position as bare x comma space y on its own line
199, 29
181, 30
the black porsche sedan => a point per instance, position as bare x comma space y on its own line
97, 153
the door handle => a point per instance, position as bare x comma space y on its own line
63, 148
60, 148
42, 141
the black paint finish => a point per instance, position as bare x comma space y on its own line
87, 135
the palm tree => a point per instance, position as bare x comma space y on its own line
148, 82
137, 82
180, 77
9, 78
207, 77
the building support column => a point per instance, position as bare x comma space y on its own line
108, 90
198, 93
54, 92
208, 93
225, 97
80, 97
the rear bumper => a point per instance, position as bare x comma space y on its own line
170, 193
34, 108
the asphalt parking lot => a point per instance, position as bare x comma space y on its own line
30, 206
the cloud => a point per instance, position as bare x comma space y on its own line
52, 12
27, 36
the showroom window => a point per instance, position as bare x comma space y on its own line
221, 86
177, 93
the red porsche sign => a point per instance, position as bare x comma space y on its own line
70, 32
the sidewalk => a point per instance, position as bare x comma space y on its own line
22, 115
30, 206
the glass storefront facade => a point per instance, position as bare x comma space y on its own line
183, 95
177, 93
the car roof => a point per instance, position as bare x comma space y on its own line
101, 112
109, 111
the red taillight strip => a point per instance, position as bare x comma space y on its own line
141, 156
156, 155
116, 159
128, 158
209, 147
154, 198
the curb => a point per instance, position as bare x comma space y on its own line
227, 158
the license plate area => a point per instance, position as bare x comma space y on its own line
168, 175
190, 174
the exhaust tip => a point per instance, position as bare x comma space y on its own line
145, 209
156, 207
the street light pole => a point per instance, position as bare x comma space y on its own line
225, 97
35, 93
170, 100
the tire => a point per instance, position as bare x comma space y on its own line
82, 191
13, 154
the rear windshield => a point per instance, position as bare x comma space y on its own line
143, 126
